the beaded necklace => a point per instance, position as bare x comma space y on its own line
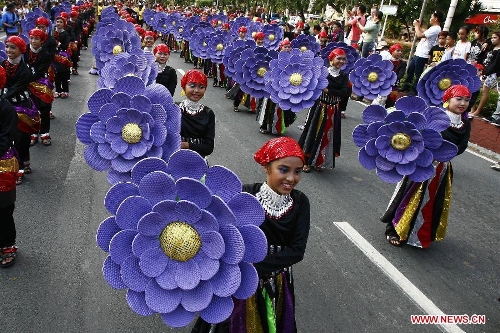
276, 205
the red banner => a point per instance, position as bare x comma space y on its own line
482, 19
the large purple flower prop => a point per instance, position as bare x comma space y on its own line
218, 41
178, 28
29, 21
432, 84
251, 69
372, 76
137, 63
351, 55
112, 39
160, 22
403, 142
200, 39
241, 21
3, 53
173, 21
182, 246
190, 27
295, 80
306, 42
149, 16
127, 124
232, 55
274, 36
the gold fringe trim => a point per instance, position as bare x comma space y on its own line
403, 226
252, 316
10, 165
443, 221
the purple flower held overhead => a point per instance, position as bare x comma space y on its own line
448, 73
306, 42
181, 245
372, 76
274, 36
127, 124
295, 80
351, 55
218, 41
403, 142
232, 54
251, 68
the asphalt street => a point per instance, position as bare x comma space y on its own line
351, 279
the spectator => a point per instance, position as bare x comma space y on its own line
355, 33
479, 45
463, 46
337, 32
371, 30
10, 20
451, 40
428, 39
437, 51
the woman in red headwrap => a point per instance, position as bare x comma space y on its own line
39, 60
9, 168
167, 76
322, 146
149, 41
286, 226
16, 92
424, 218
197, 119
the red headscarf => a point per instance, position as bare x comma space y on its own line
395, 47
161, 48
193, 76
322, 34
335, 53
42, 21
259, 35
456, 91
62, 18
64, 14
242, 29
38, 33
3, 77
284, 42
17, 41
277, 148
150, 33
299, 24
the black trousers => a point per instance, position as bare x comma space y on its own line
7, 226
45, 118
22, 144
62, 81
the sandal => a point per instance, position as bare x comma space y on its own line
394, 240
263, 131
19, 180
235, 109
33, 140
8, 256
27, 167
56, 95
51, 115
306, 168
46, 139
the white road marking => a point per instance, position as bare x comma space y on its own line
180, 70
396, 276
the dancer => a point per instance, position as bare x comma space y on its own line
167, 76
418, 211
286, 226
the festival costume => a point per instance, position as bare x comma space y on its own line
272, 119
167, 76
62, 62
321, 136
418, 211
197, 127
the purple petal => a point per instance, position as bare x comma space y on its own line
209, 267
220, 210
384, 164
432, 139
167, 210
117, 193
219, 310
130, 212
187, 163
107, 229
111, 272
153, 262
161, 300
406, 169
391, 176
198, 298
166, 280
94, 159
247, 209
445, 152
409, 104
249, 281
222, 182
398, 116
120, 247
83, 125
213, 244
187, 274
188, 212
366, 161
137, 302
194, 191
394, 156
142, 243
151, 224
360, 135
424, 159
235, 246
227, 280
255, 243
422, 174
157, 186
178, 317
132, 275
146, 166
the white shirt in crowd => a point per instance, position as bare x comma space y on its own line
430, 39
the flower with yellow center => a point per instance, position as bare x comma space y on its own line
261, 71
444, 84
180, 241
117, 49
295, 79
131, 133
372, 77
400, 141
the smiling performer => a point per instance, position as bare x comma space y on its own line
286, 226
418, 211
198, 120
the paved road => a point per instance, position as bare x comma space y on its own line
346, 282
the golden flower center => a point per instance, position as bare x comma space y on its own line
295, 79
372, 77
271, 37
444, 84
180, 241
180, 30
174, 23
117, 49
303, 48
204, 44
261, 71
131, 133
400, 141
164, 25
220, 47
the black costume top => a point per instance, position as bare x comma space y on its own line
168, 78
459, 136
8, 126
16, 86
198, 127
39, 62
289, 231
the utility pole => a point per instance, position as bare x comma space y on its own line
451, 13
421, 18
